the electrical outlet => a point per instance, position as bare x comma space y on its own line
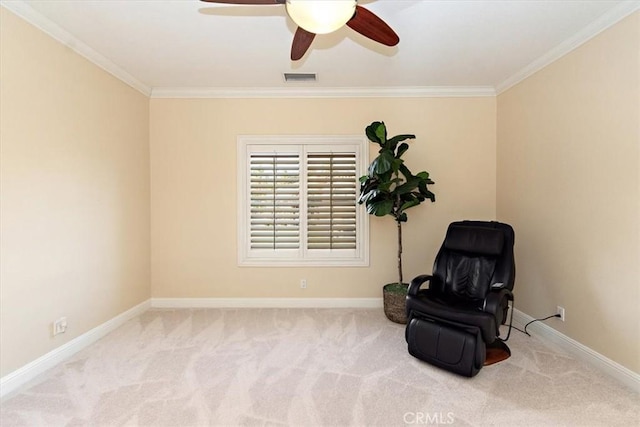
560, 311
60, 326
303, 283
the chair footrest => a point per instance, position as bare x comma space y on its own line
445, 346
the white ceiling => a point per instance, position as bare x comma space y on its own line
161, 45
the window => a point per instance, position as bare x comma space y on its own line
297, 201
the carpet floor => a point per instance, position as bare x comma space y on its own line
304, 367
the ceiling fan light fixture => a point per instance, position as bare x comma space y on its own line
321, 16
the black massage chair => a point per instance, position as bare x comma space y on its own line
451, 323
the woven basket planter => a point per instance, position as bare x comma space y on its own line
394, 298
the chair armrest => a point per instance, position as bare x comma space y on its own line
494, 298
414, 287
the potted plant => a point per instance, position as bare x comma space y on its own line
390, 188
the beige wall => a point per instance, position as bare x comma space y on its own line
568, 180
193, 191
77, 145
74, 193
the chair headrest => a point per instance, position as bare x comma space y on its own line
475, 240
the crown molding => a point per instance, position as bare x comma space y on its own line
607, 20
44, 24
336, 92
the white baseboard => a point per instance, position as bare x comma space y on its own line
266, 302
581, 351
18, 378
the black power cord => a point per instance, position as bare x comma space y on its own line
535, 320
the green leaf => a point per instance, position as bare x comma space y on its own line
368, 185
409, 204
376, 132
393, 142
424, 176
385, 186
425, 191
405, 171
365, 197
371, 132
381, 164
381, 131
431, 196
408, 186
401, 149
381, 208
395, 164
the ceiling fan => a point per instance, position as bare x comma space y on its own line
322, 17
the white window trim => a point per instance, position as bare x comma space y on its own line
250, 258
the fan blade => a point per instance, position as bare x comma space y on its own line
246, 1
369, 25
301, 42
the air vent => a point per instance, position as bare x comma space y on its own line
300, 77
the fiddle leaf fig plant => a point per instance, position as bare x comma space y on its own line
390, 188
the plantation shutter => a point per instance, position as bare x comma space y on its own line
331, 201
297, 201
275, 201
